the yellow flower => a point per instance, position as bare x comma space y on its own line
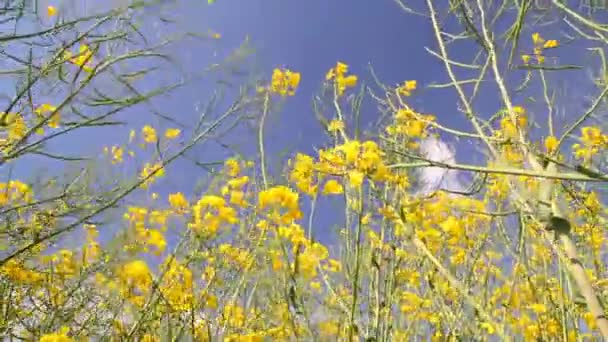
232, 167
150, 338
302, 174
540, 59
346, 82
333, 266
552, 43
332, 187
365, 219
341, 68
172, 133
157, 239
47, 108
355, 178
329, 328
238, 198
284, 82
150, 173
117, 154
519, 110
51, 11
341, 81
407, 88
178, 202
590, 320
281, 197
60, 336
335, 125
551, 143
149, 134
537, 39
487, 327
538, 308
525, 59
215, 35
83, 59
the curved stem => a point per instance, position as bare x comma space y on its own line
261, 140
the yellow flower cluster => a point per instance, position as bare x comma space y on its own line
150, 173
47, 108
551, 143
19, 274
353, 159
341, 81
179, 203
51, 11
409, 124
142, 220
13, 129
407, 88
292, 233
310, 259
592, 142
15, 125
284, 82
282, 204
60, 336
116, 153
239, 256
540, 44
136, 280
83, 59
210, 213
149, 134
510, 129
177, 286
15, 192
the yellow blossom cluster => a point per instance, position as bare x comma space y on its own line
148, 229
19, 274
150, 173
510, 129
352, 160
210, 213
281, 203
409, 124
341, 81
116, 153
51, 11
83, 59
136, 280
177, 286
15, 192
407, 88
13, 129
15, 125
592, 141
45, 108
60, 336
540, 44
241, 257
284, 82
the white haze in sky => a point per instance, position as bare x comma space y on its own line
433, 178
